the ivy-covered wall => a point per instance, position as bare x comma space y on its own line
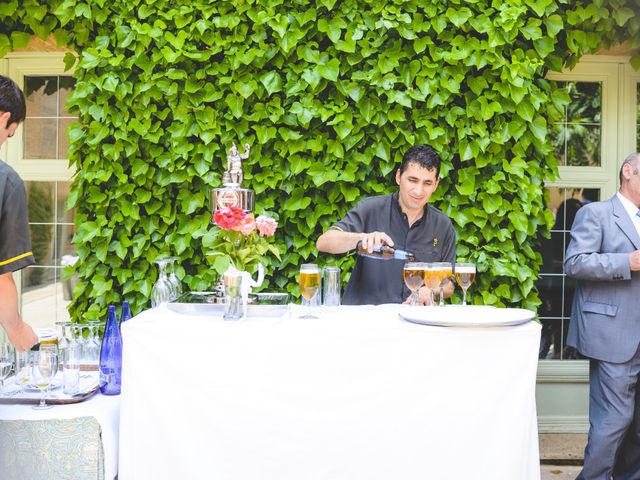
329, 94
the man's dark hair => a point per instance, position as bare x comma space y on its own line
422, 155
12, 100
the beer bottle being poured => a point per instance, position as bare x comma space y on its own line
385, 252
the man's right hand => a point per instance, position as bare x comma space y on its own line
634, 261
22, 336
372, 241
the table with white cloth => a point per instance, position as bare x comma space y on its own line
358, 393
76, 442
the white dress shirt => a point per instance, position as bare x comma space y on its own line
631, 209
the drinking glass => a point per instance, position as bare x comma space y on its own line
445, 271
45, 367
162, 290
23, 368
309, 280
6, 363
431, 279
465, 274
71, 369
413, 274
173, 278
80, 340
92, 345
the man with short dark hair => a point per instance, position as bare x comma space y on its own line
15, 240
402, 220
604, 256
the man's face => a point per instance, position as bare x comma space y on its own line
6, 130
417, 184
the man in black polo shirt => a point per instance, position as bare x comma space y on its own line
15, 240
402, 220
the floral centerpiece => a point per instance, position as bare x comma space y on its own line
241, 240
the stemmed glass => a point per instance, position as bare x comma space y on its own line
80, 340
173, 278
23, 368
45, 367
413, 274
162, 290
309, 280
6, 363
465, 274
431, 279
92, 346
445, 271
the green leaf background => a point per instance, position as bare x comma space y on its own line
329, 95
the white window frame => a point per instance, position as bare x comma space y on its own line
19, 65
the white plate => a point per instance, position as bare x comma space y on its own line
467, 316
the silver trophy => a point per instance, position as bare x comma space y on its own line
232, 194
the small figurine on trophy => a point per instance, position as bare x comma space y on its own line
233, 176
232, 194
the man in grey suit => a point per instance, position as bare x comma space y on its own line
604, 256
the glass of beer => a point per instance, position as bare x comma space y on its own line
309, 281
445, 272
413, 274
465, 274
432, 279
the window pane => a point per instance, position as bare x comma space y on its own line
41, 95
45, 128
40, 201
576, 138
43, 297
583, 145
556, 289
66, 86
63, 139
42, 244
63, 215
40, 138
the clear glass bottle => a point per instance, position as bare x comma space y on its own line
111, 356
385, 252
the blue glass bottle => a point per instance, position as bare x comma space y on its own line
125, 313
111, 356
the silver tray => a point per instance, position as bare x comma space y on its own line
264, 304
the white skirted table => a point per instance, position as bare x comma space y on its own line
66, 442
356, 394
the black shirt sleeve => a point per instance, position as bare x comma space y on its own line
15, 239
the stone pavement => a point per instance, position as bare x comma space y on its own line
561, 455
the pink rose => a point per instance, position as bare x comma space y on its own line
266, 226
245, 226
228, 218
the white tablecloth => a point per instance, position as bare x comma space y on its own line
106, 410
356, 394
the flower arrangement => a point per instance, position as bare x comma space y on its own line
241, 240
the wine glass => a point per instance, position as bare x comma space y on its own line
465, 274
309, 281
162, 290
92, 346
445, 270
173, 278
413, 274
45, 367
431, 279
80, 340
6, 363
23, 368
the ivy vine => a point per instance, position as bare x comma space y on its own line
329, 94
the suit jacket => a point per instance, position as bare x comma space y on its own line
605, 315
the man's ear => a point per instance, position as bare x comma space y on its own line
4, 119
398, 176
